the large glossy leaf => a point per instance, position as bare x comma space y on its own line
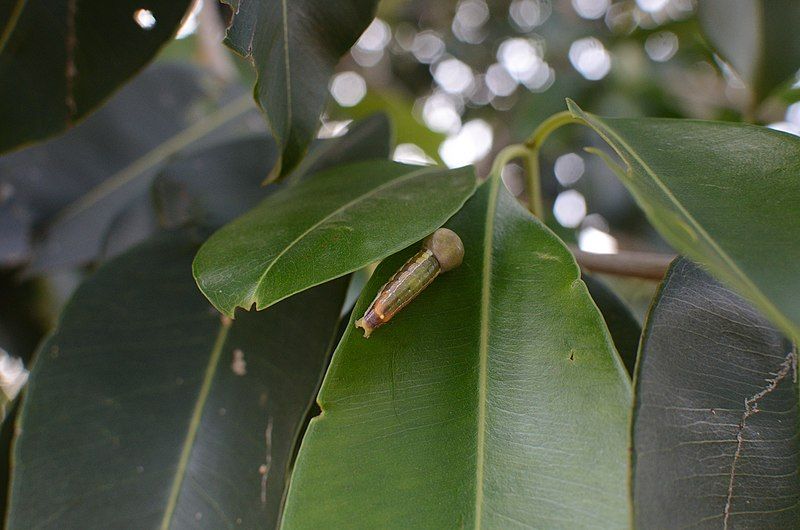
60, 60
334, 223
146, 409
73, 187
494, 400
294, 45
757, 37
724, 194
716, 419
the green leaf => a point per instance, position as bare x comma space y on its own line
73, 187
146, 408
59, 60
724, 194
217, 184
494, 400
622, 325
757, 37
324, 227
367, 138
294, 46
716, 412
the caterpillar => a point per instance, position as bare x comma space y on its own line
441, 251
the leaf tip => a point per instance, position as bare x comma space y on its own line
575, 110
274, 174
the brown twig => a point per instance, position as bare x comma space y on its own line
646, 265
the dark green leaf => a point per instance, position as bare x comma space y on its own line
494, 400
716, 417
325, 227
757, 37
60, 60
214, 185
624, 328
368, 138
73, 188
724, 194
294, 46
146, 408
218, 183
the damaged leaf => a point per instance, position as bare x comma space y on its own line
146, 409
715, 441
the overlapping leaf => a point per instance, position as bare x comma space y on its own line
147, 409
494, 400
716, 418
724, 194
60, 60
294, 46
624, 329
72, 188
326, 226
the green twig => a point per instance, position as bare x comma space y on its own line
529, 153
534, 144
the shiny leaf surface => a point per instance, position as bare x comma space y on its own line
716, 413
59, 61
724, 194
494, 400
294, 46
146, 408
324, 227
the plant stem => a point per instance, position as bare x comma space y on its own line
534, 144
507, 155
534, 189
548, 126
647, 265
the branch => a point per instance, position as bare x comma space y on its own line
210, 31
646, 265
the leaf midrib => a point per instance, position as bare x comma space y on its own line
483, 351
11, 24
762, 299
325, 219
157, 155
287, 65
194, 423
